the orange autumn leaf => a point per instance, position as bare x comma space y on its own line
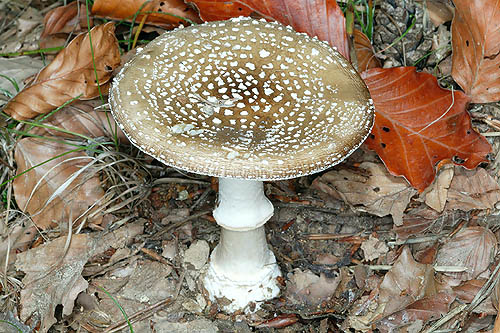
419, 124
165, 13
476, 49
70, 75
364, 52
320, 18
65, 19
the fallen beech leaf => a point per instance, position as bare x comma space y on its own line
17, 69
24, 34
166, 13
70, 74
373, 248
439, 11
476, 48
59, 190
53, 276
371, 189
437, 193
425, 309
473, 189
472, 247
65, 19
418, 124
320, 18
469, 289
406, 282
306, 287
81, 117
364, 52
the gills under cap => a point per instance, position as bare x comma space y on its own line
242, 98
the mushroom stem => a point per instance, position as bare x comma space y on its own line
242, 268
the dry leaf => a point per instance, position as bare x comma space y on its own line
423, 310
437, 193
82, 118
364, 52
24, 34
406, 282
373, 248
166, 13
473, 248
418, 125
17, 69
70, 74
473, 189
371, 189
323, 19
53, 276
476, 48
61, 190
306, 287
66, 19
469, 289
439, 11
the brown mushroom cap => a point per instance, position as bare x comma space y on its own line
242, 98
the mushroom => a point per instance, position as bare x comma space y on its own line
247, 101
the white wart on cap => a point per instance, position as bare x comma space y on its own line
242, 98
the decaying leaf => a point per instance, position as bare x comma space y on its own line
305, 287
66, 19
81, 118
418, 125
439, 11
406, 282
374, 248
61, 190
364, 52
469, 289
53, 275
437, 193
329, 21
371, 189
423, 310
17, 69
476, 48
24, 34
166, 13
473, 189
473, 248
70, 75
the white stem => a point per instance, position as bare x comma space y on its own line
242, 268
242, 204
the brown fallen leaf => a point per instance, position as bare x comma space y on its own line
66, 19
439, 11
305, 287
419, 125
423, 310
472, 248
364, 52
476, 48
436, 194
81, 118
166, 13
469, 289
53, 275
371, 189
61, 190
406, 282
473, 189
24, 33
320, 18
373, 248
70, 75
